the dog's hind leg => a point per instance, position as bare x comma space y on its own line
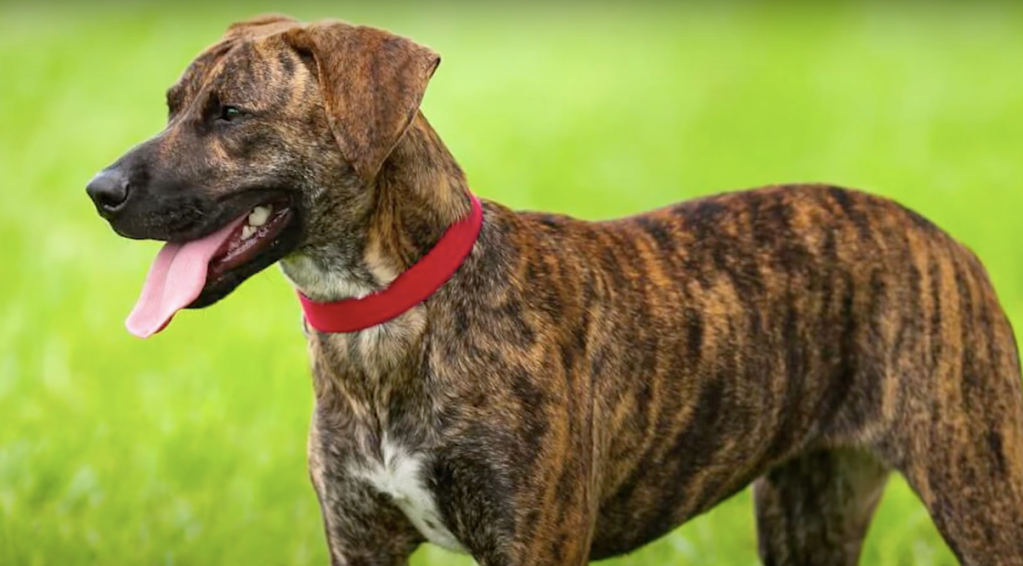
959, 440
816, 509
969, 474
977, 510
973, 488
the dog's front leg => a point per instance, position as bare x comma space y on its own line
362, 527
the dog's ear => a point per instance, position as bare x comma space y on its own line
372, 83
257, 24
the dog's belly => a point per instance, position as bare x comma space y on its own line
401, 476
663, 505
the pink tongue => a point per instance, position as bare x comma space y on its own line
176, 278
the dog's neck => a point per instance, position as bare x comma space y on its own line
418, 194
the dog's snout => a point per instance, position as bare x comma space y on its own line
109, 190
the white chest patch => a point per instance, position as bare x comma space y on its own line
400, 475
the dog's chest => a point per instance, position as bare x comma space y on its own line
402, 475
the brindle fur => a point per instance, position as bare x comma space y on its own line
582, 388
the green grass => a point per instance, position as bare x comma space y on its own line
188, 449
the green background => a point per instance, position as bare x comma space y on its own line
189, 448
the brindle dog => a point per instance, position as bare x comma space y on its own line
578, 389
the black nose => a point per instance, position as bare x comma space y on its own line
109, 190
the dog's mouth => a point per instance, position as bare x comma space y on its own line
200, 272
251, 235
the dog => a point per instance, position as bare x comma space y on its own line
533, 389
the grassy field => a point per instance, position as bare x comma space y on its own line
188, 449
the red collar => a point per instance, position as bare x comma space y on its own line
409, 289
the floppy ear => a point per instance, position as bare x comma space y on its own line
372, 83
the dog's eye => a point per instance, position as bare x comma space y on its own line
229, 113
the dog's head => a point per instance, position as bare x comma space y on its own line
271, 130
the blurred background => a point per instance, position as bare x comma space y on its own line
189, 448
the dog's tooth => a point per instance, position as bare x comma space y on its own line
247, 232
259, 215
